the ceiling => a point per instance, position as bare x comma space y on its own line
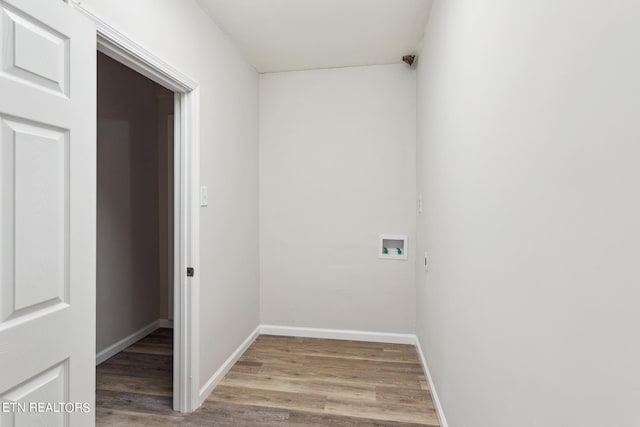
286, 35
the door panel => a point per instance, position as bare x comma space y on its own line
47, 386
33, 52
35, 159
47, 220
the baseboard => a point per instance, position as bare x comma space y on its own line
165, 323
338, 334
125, 342
432, 388
208, 387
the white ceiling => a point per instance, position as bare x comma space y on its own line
285, 35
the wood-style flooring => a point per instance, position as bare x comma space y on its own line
279, 381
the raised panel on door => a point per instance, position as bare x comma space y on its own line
33, 53
28, 401
34, 159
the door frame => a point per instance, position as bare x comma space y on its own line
186, 348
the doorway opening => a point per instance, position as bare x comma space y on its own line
185, 280
135, 237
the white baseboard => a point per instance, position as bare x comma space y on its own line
165, 323
338, 334
432, 388
208, 387
125, 342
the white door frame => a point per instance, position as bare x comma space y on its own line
186, 349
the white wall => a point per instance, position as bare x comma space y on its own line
337, 168
528, 149
181, 34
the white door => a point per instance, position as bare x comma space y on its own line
48, 215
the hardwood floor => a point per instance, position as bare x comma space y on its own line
279, 381
135, 386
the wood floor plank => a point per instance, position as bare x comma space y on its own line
297, 385
409, 396
150, 349
158, 340
305, 419
223, 414
268, 398
346, 349
138, 365
113, 417
134, 402
382, 411
247, 367
132, 384
344, 375
294, 358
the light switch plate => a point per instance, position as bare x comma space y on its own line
204, 197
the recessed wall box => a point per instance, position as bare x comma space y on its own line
393, 246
